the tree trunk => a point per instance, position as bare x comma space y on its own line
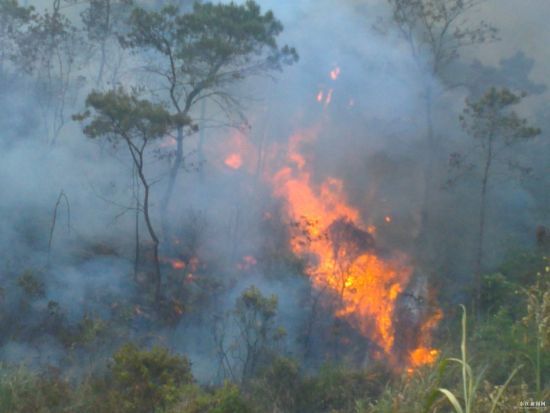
481, 229
136, 234
202, 136
426, 244
155, 239
432, 149
173, 174
137, 155
104, 45
178, 159
101, 64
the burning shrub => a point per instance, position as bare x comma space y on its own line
342, 258
347, 238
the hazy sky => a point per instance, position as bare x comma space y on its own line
523, 25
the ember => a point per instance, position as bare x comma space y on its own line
234, 161
320, 96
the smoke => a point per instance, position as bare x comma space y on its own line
359, 89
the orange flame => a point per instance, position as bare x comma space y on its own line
247, 263
335, 73
320, 96
168, 142
323, 98
236, 152
344, 259
175, 263
423, 354
178, 264
234, 161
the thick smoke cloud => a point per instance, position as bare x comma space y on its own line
370, 135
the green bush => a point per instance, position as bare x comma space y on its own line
227, 399
336, 389
24, 392
276, 389
31, 284
148, 381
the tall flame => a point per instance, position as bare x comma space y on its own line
344, 257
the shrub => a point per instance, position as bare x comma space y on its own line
149, 380
24, 392
277, 387
336, 390
227, 399
31, 284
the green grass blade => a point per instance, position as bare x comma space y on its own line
465, 379
452, 399
501, 390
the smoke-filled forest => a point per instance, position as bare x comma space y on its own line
262, 206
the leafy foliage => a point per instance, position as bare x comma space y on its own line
103, 20
148, 380
124, 115
198, 53
495, 127
439, 28
120, 116
489, 118
209, 48
251, 347
102, 17
471, 381
338, 389
14, 22
227, 399
278, 386
22, 391
31, 284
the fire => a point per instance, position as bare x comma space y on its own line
175, 263
247, 263
320, 96
388, 219
178, 264
237, 152
168, 142
234, 161
423, 354
344, 258
335, 73
323, 98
